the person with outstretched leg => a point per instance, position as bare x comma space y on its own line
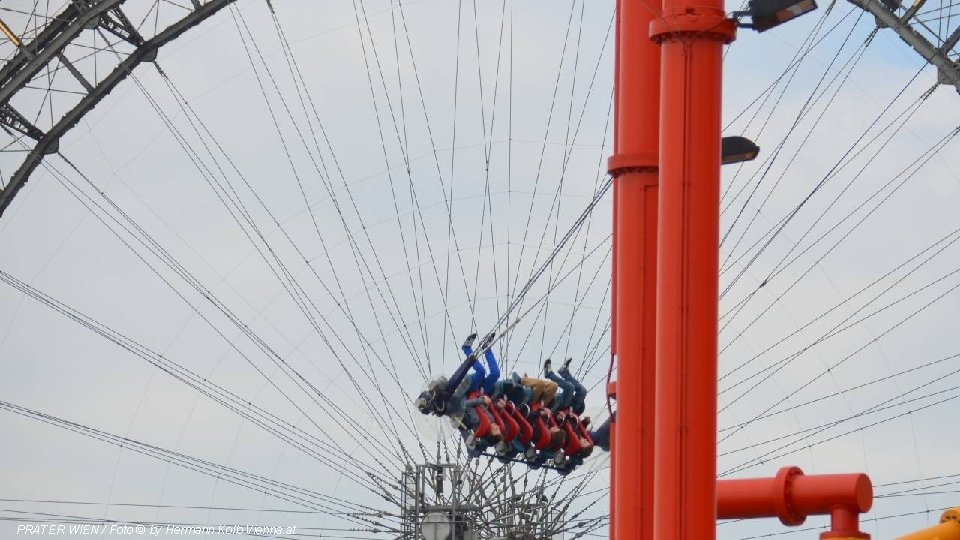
566, 388
578, 403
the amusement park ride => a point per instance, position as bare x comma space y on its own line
666, 177
666, 171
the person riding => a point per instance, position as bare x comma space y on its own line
459, 398
492, 374
572, 393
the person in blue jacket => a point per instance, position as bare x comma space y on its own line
492, 372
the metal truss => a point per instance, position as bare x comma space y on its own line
34, 72
929, 27
451, 501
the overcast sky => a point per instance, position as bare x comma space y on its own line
358, 225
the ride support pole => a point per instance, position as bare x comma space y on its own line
691, 34
634, 168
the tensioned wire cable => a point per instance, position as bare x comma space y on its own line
813, 98
841, 361
894, 127
154, 248
910, 171
283, 491
937, 248
769, 371
297, 378
186, 273
851, 153
362, 261
319, 449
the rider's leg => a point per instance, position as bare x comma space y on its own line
493, 371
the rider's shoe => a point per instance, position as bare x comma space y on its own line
487, 340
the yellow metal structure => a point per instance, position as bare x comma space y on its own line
948, 529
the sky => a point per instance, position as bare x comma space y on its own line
316, 233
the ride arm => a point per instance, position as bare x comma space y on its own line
948, 529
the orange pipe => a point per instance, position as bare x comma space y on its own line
634, 167
791, 496
948, 529
691, 34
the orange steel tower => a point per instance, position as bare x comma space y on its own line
666, 166
691, 34
635, 193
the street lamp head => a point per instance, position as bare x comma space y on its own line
737, 149
766, 14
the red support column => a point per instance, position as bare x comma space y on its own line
691, 34
634, 166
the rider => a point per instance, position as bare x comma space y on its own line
463, 405
601, 436
489, 380
574, 393
567, 389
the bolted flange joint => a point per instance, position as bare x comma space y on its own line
693, 22
783, 502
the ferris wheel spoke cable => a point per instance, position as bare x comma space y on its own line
400, 228
342, 304
853, 151
783, 452
566, 161
803, 51
436, 161
551, 287
782, 264
846, 390
301, 84
284, 491
278, 427
842, 326
813, 99
419, 306
302, 92
599, 179
838, 363
903, 178
444, 290
279, 263
554, 206
896, 401
360, 261
150, 244
731, 314
363, 395
759, 103
543, 146
488, 151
